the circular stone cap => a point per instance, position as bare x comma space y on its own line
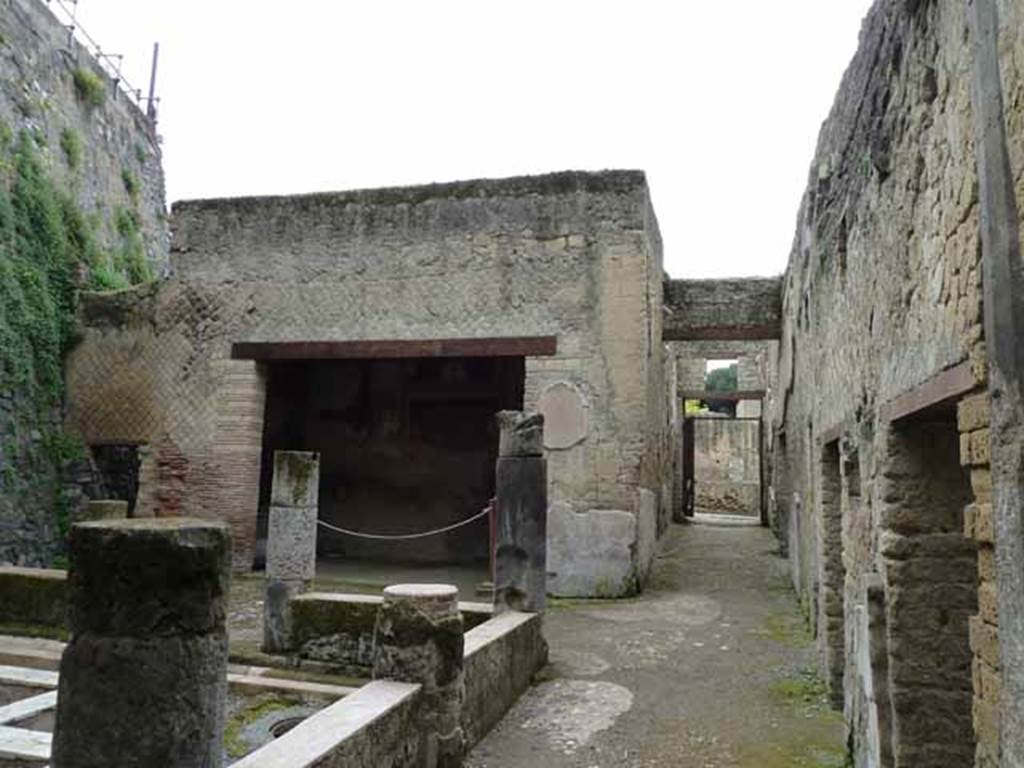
422, 591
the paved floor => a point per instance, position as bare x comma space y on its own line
710, 668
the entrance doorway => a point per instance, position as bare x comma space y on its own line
406, 445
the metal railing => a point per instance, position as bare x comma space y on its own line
110, 62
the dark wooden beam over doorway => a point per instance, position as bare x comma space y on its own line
727, 397
935, 397
510, 346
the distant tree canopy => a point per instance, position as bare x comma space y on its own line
722, 379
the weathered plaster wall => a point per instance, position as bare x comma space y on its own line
572, 255
882, 294
105, 157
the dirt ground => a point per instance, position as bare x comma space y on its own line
711, 668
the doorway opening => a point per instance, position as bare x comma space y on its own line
406, 445
832, 573
930, 576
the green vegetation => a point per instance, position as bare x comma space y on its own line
804, 688
786, 629
694, 407
131, 184
129, 258
71, 143
90, 86
722, 379
48, 251
235, 743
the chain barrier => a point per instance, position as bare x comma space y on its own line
404, 536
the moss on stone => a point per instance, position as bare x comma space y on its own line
33, 597
320, 618
786, 629
234, 742
800, 751
20, 629
803, 688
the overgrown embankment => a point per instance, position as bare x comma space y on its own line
81, 208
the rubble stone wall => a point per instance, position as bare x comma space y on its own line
883, 294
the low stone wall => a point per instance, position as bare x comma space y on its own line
371, 728
501, 657
338, 628
33, 597
376, 727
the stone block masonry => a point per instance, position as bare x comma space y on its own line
144, 678
912, 180
291, 542
973, 418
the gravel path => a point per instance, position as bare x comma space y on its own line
710, 668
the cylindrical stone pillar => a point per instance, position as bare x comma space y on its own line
419, 639
521, 489
291, 541
144, 678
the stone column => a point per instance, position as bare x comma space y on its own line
419, 639
144, 678
291, 541
520, 579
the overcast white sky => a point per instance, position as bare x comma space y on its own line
719, 102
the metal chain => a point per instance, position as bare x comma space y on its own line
399, 536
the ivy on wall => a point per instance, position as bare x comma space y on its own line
49, 249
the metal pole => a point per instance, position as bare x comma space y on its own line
151, 103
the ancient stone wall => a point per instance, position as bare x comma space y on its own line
737, 308
576, 256
96, 161
881, 328
117, 165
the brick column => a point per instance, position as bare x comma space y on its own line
291, 541
144, 678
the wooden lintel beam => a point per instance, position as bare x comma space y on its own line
724, 333
736, 396
940, 390
512, 346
